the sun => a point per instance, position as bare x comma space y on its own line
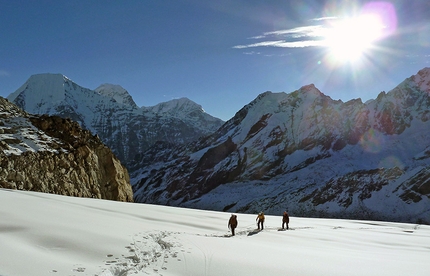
349, 39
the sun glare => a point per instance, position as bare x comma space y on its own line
350, 38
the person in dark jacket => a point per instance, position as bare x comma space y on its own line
232, 223
285, 219
260, 220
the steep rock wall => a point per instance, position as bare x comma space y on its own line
74, 162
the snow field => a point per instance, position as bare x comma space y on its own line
44, 234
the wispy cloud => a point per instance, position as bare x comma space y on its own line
252, 53
4, 73
305, 31
324, 18
283, 44
299, 37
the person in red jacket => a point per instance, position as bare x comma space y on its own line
232, 223
285, 219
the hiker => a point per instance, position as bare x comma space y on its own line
260, 220
285, 219
232, 223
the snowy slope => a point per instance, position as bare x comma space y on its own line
18, 135
308, 153
43, 234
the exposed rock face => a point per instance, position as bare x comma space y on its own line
55, 155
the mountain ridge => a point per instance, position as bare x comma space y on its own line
110, 112
303, 151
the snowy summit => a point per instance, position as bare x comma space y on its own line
117, 92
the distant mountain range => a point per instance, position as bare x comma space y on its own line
301, 151
110, 112
307, 153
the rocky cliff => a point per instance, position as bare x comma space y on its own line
55, 155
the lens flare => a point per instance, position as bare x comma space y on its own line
391, 162
371, 141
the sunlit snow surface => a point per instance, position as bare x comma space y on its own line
43, 234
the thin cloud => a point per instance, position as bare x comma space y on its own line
304, 33
259, 44
324, 18
4, 73
283, 44
257, 37
299, 37
252, 53
328, 32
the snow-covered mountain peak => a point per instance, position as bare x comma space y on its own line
412, 91
266, 102
45, 79
267, 98
51, 93
422, 79
117, 92
310, 91
308, 88
180, 107
273, 106
186, 111
38, 86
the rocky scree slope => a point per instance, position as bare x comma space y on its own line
55, 155
307, 153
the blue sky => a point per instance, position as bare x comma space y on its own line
219, 53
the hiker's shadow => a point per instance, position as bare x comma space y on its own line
253, 232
